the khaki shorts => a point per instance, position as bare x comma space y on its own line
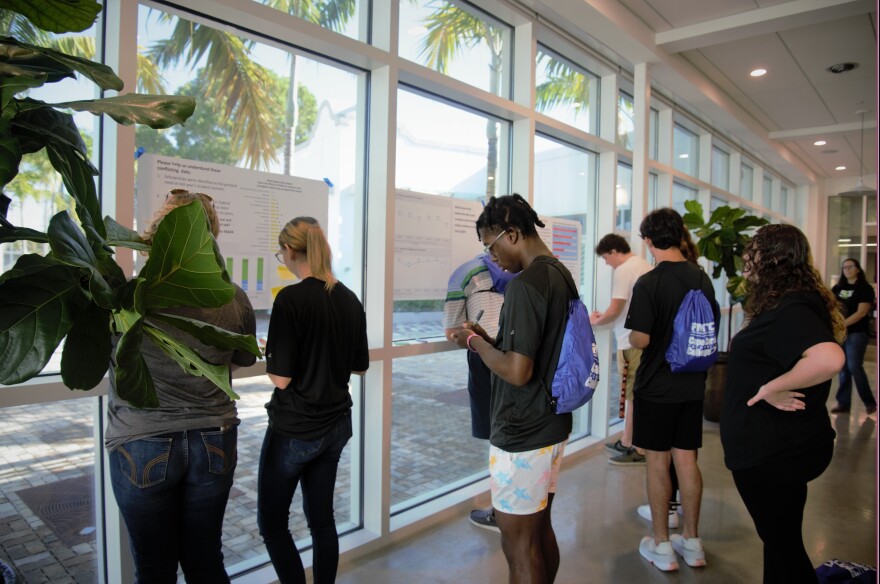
627, 364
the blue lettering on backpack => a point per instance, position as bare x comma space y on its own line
694, 344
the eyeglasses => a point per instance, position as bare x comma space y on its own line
849, 266
488, 248
279, 255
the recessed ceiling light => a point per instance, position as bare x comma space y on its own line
839, 168
758, 72
685, 155
819, 143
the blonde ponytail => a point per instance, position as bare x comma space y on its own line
304, 234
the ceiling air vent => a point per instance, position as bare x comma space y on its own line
842, 67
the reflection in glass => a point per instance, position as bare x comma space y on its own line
458, 40
686, 153
47, 492
623, 198
565, 92
845, 224
432, 451
347, 17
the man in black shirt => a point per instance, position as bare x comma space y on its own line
527, 437
668, 407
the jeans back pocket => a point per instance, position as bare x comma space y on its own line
221, 448
144, 462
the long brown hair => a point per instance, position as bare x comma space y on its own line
304, 234
178, 198
779, 262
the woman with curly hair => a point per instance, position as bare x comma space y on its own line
775, 428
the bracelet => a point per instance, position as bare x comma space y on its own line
468, 342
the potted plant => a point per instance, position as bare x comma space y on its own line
722, 239
77, 290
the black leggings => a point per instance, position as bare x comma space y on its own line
775, 495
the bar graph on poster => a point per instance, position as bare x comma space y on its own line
434, 234
252, 207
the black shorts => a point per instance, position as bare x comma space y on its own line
662, 426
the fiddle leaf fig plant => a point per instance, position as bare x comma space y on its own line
722, 240
77, 290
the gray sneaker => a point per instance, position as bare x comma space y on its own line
616, 447
629, 458
485, 518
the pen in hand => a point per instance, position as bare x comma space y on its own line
479, 316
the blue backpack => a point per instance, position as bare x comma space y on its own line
577, 372
694, 344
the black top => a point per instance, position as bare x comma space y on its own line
532, 324
765, 349
851, 295
317, 339
656, 297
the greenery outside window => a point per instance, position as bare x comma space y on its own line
565, 92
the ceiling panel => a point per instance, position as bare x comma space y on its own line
846, 96
794, 109
817, 47
738, 58
647, 14
680, 13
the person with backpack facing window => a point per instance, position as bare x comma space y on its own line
527, 436
668, 406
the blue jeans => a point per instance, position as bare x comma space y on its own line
284, 462
854, 347
172, 491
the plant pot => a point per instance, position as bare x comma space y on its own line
715, 379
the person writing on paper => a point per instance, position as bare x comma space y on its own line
775, 428
172, 466
317, 339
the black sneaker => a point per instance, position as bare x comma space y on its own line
485, 518
630, 458
616, 447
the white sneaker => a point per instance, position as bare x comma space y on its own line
645, 513
660, 554
691, 550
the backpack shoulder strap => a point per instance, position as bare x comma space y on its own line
568, 281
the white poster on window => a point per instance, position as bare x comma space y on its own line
252, 207
434, 234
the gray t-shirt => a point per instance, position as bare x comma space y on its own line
186, 402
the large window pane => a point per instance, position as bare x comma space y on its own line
720, 169
623, 198
566, 92
746, 180
783, 200
348, 17
565, 187
685, 145
458, 40
625, 121
680, 194
767, 192
48, 524
653, 123
432, 451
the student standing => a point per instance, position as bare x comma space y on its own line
668, 407
317, 339
627, 267
172, 466
854, 292
476, 291
775, 428
527, 437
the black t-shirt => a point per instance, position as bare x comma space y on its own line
532, 324
656, 297
851, 295
317, 339
766, 348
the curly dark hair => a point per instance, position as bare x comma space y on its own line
779, 262
612, 242
509, 212
664, 227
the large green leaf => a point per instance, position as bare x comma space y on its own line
134, 383
121, 236
210, 334
80, 183
183, 268
10, 159
190, 361
69, 246
36, 127
58, 16
15, 80
155, 111
86, 354
57, 64
9, 234
40, 298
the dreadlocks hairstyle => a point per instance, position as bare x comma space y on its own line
779, 261
612, 242
664, 227
509, 212
304, 234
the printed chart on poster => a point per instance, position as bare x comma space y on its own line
252, 207
434, 234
